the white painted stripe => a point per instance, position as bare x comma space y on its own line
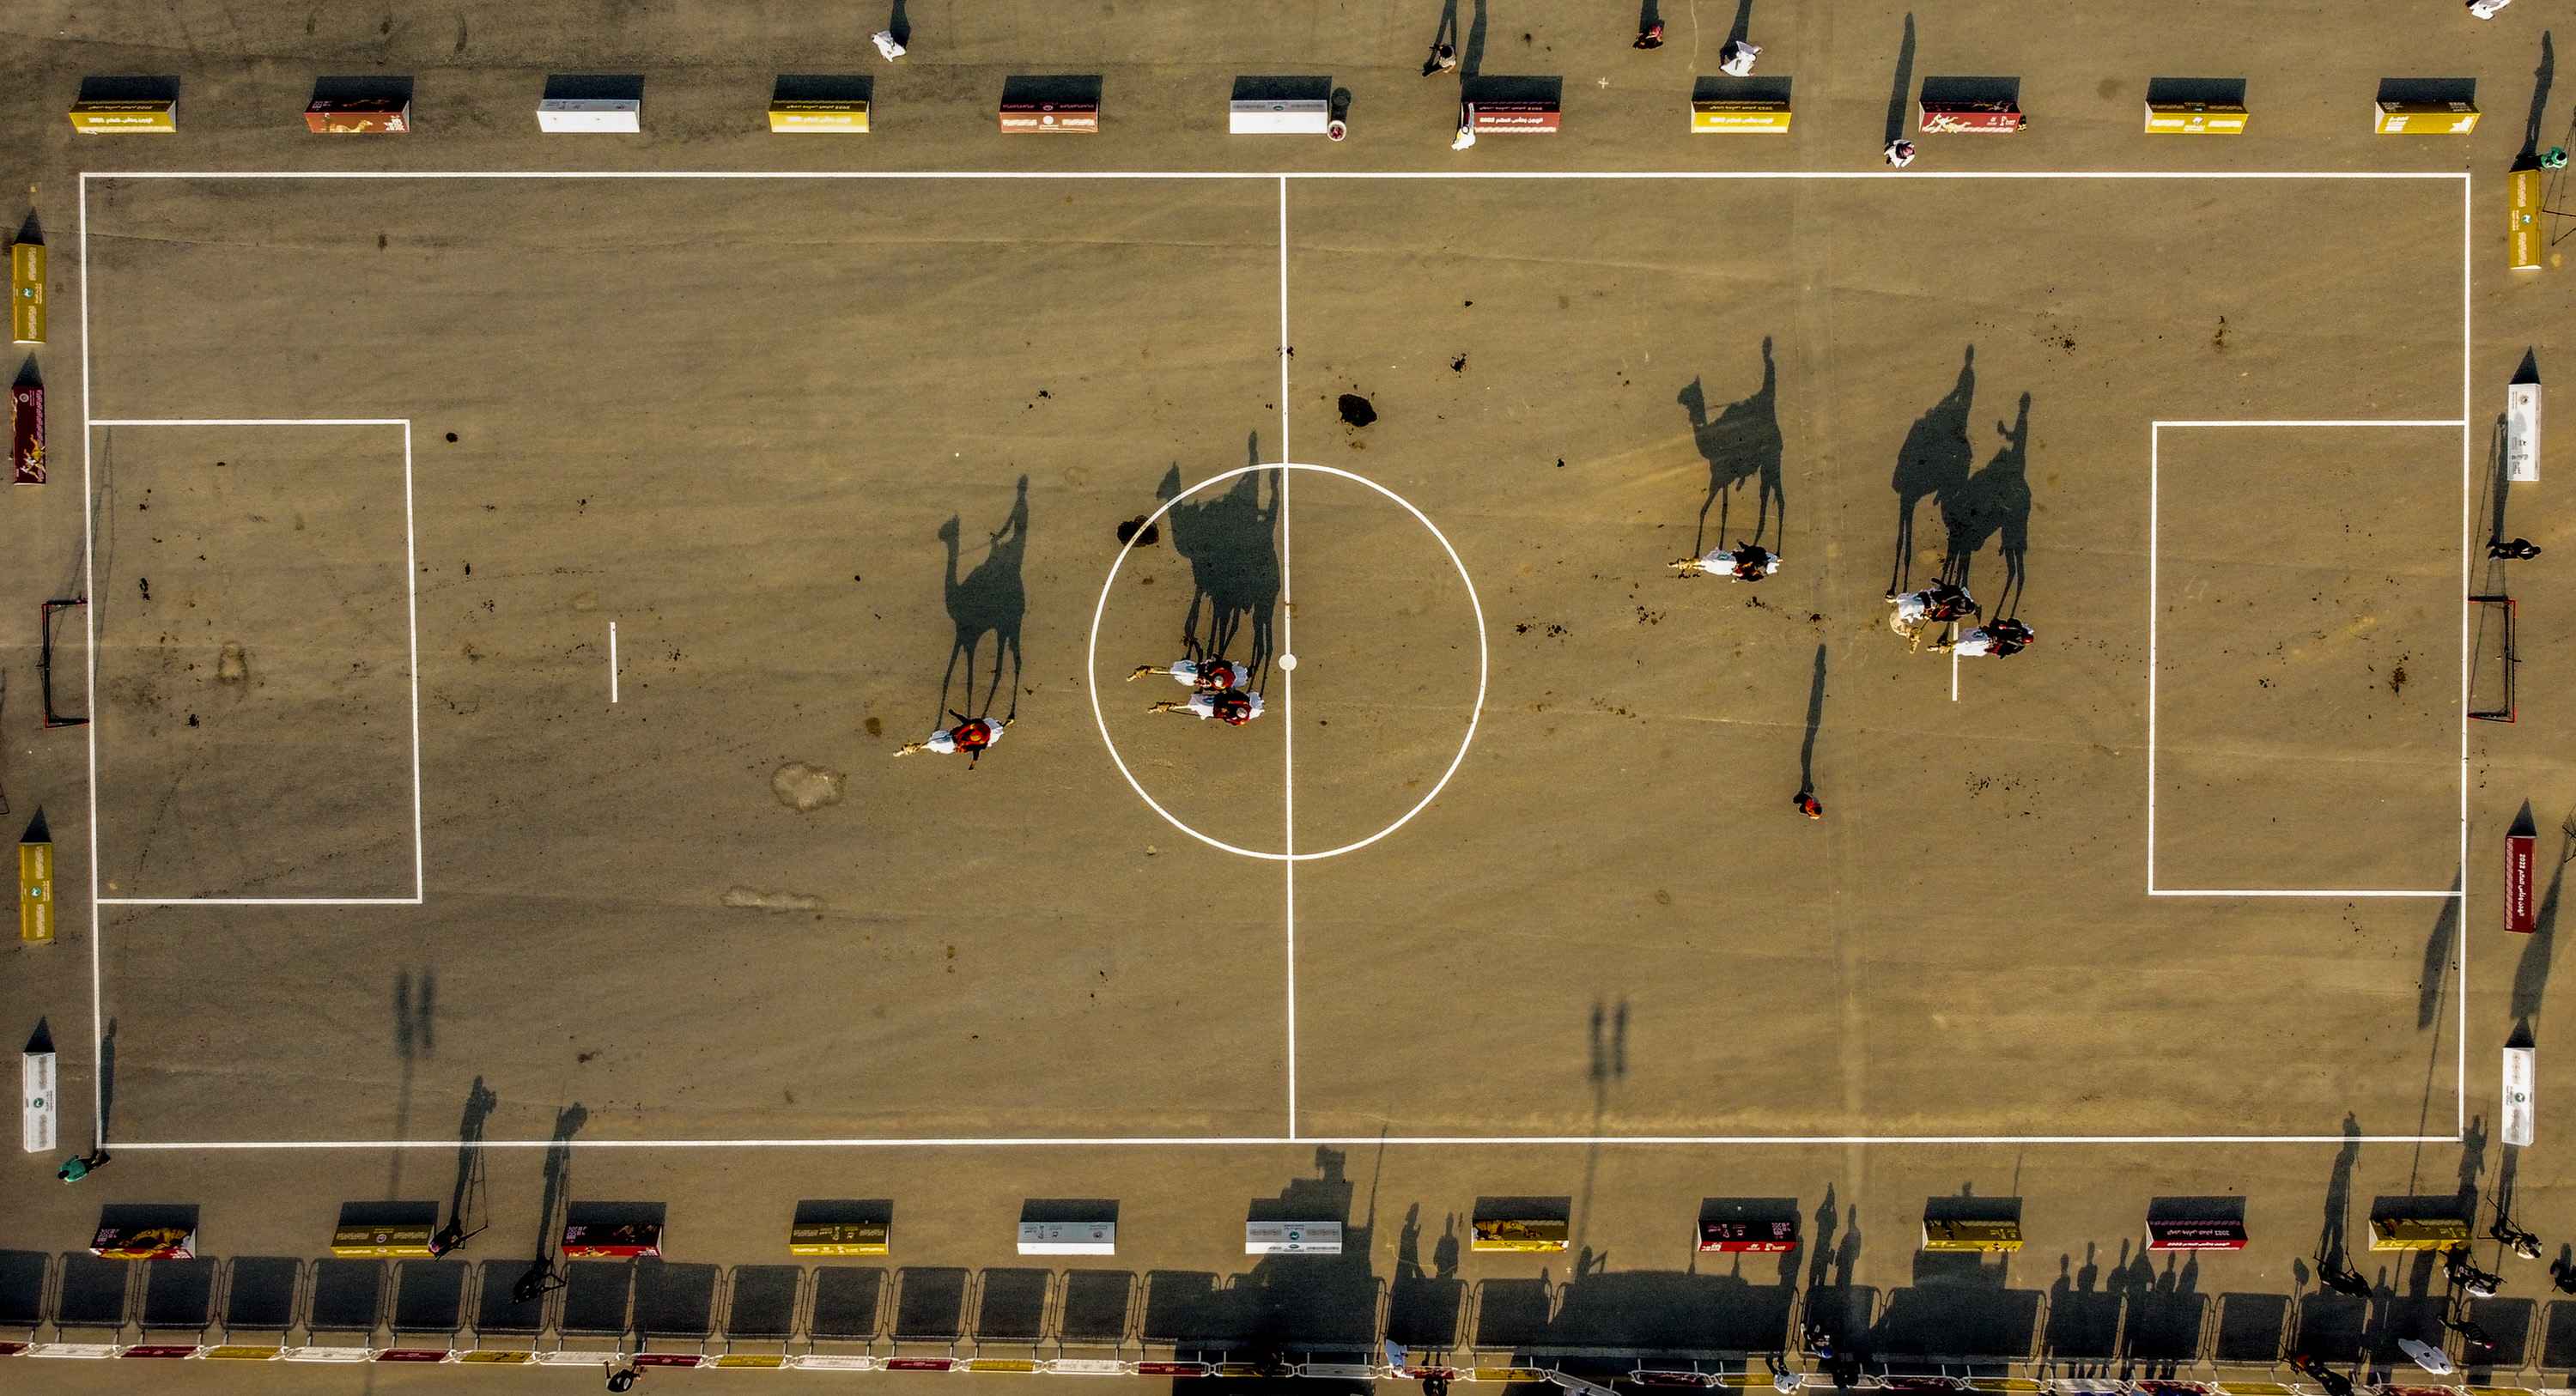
2461, 1123
403, 422
411, 620
1287, 677
1287, 174
612, 661
2314, 422
2444, 893
258, 901
89, 665
1251, 1141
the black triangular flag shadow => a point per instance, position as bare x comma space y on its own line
43, 1039
36, 830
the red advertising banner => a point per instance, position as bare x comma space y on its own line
2518, 914
2213, 1235
27, 435
1995, 118
1769, 1237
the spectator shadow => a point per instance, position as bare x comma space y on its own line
1670, 1314
1313, 1304
2083, 1329
989, 600
1741, 443
2163, 1321
2541, 77
1904, 83
2331, 1239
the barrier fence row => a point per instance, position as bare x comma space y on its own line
1325, 1318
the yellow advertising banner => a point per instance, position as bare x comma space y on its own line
27, 292
2424, 118
1971, 1235
121, 118
2195, 119
1738, 115
791, 117
36, 883
2522, 238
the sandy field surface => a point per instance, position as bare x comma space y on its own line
510, 573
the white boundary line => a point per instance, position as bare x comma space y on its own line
411, 608
1240, 1141
612, 661
2467, 252
2155, 550
89, 664
1282, 177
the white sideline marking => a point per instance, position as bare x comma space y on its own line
1280, 174
88, 539
612, 661
2467, 216
89, 664
1220, 1141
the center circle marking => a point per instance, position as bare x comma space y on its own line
1287, 661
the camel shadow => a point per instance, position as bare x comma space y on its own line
1230, 541
1741, 443
988, 600
1933, 462
1994, 502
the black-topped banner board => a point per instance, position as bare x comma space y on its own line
2164, 1234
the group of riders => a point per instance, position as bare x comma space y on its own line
1940, 606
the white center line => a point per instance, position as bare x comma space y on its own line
1287, 680
612, 661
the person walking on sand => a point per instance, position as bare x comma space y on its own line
1808, 804
971, 735
1443, 59
1899, 153
1745, 562
1233, 706
1652, 36
80, 1166
2520, 548
1197, 673
1736, 59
